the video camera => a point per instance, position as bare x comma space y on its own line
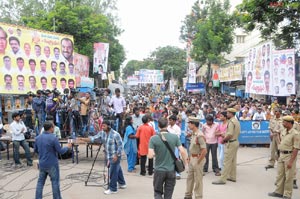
56, 92
74, 92
99, 91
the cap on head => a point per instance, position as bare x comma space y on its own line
288, 118
232, 110
193, 119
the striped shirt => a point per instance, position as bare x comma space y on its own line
112, 143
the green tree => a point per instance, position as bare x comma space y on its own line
276, 20
214, 34
170, 58
131, 66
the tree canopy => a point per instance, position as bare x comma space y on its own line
166, 58
277, 20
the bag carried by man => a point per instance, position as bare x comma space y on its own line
179, 164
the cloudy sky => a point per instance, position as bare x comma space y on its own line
149, 24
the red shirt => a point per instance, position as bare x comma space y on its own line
144, 132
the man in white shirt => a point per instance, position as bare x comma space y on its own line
119, 105
173, 128
15, 46
136, 118
259, 115
18, 129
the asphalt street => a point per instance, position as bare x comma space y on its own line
253, 181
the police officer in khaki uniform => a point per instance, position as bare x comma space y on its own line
275, 128
231, 148
288, 147
196, 161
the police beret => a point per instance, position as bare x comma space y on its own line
193, 119
232, 110
288, 118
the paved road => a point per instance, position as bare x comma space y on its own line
254, 182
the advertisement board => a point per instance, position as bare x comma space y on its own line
147, 76
101, 51
283, 72
259, 71
33, 59
231, 73
82, 66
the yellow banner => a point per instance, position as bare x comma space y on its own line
34, 59
231, 73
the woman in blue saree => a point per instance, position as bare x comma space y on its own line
129, 144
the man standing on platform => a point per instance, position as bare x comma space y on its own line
231, 148
119, 104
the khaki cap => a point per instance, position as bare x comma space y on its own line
232, 110
193, 119
288, 118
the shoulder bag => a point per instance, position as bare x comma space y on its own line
179, 165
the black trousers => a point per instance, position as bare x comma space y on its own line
143, 165
213, 148
164, 183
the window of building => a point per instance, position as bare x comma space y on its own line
240, 39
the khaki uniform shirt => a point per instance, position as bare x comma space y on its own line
233, 128
197, 142
276, 125
84, 106
289, 140
296, 126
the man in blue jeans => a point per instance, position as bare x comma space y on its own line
47, 147
112, 142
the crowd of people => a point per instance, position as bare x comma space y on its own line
195, 126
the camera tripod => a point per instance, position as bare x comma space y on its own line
105, 179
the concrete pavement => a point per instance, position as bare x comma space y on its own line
253, 181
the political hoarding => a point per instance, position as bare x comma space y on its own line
258, 70
133, 80
34, 59
147, 76
100, 60
283, 72
82, 66
231, 73
192, 72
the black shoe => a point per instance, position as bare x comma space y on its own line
231, 180
295, 186
269, 167
205, 170
274, 194
143, 174
29, 164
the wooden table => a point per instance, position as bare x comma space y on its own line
7, 142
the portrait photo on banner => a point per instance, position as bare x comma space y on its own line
33, 59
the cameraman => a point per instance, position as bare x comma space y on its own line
84, 111
51, 104
73, 112
38, 105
